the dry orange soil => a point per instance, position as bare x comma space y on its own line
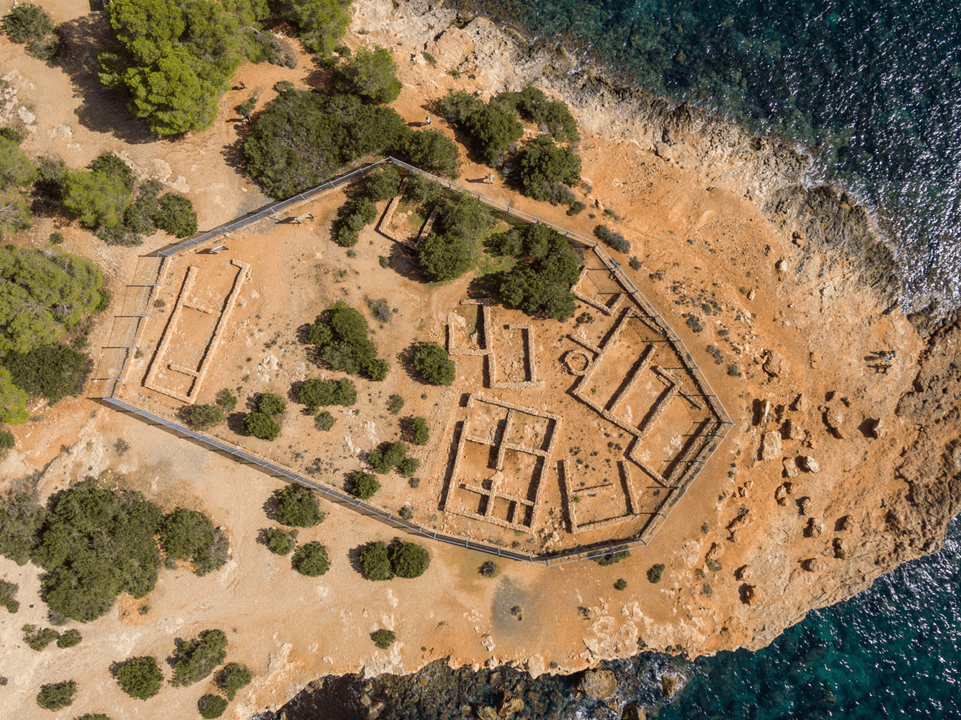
752, 547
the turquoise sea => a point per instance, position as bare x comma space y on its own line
875, 87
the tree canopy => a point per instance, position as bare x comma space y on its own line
16, 172
311, 559
451, 248
491, 127
139, 677
370, 74
298, 507
189, 535
320, 22
340, 335
196, 659
434, 364
542, 165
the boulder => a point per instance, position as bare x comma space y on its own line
814, 528
840, 549
485, 712
877, 429
509, 705
793, 430
738, 523
810, 565
744, 572
790, 468
775, 365
598, 684
809, 464
771, 446
782, 492
750, 595
670, 684
805, 505
714, 553
844, 523
836, 421
634, 712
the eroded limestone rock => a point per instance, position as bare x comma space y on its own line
599, 684
771, 446
808, 463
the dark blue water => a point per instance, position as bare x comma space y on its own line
874, 85
892, 652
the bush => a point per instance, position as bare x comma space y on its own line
324, 421
211, 706
383, 184
298, 507
39, 638
139, 677
408, 467
370, 74
450, 250
16, 170
321, 393
189, 535
340, 333
363, 485
202, 417
407, 560
419, 432
30, 25
99, 196
387, 457
352, 217
50, 371
425, 191
432, 151
488, 569
542, 165
612, 238
374, 561
383, 638
8, 596
302, 138
320, 23
271, 404
576, 208
621, 584
260, 425
613, 558
21, 519
226, 400
247, 106
279, 542
541, 282
655, 572
434, 364
311, 560
533, 105
491, 128
69, 639
47, 292
283, 86
95, 544
176, 214
232, 677
395, 403
57, 696
13, 400
196, 659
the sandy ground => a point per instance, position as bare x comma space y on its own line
700, 240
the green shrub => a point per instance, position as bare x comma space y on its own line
324, 421
16, 170
352, 217
340, 334
226, 400
211, 706
613, 558
202, 417
271, 404
540, 284
139, 677
47, 293
363, 485
15, 212
49, 371
94, 544
7, 442
302, 138
320, 393
283, 86
655, 572
176, 215
533, 105
370, 74
387, 457
232, 677
298, 507
395, 403
21, 519
8, 596
542, 165
612, 238
491, 128
30, 25
576, 208
434, 364
189, 535
57, 695
635, 264
407, 560
311, 559
247, 106
13, 400
419, 431
374, 561
279, 542
488, 569
99, 196
69, 638
425, 191
261, 425
320, 23
383, 638
621, 584
450, 250
431, 151
383, 184
196, 659
408, 467
39, 638
457, 106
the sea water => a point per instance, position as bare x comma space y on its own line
873, 85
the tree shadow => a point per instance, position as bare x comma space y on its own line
405, 358
235, 423
270, 508
101, 109
401, 260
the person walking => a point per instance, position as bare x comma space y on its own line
428, 120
